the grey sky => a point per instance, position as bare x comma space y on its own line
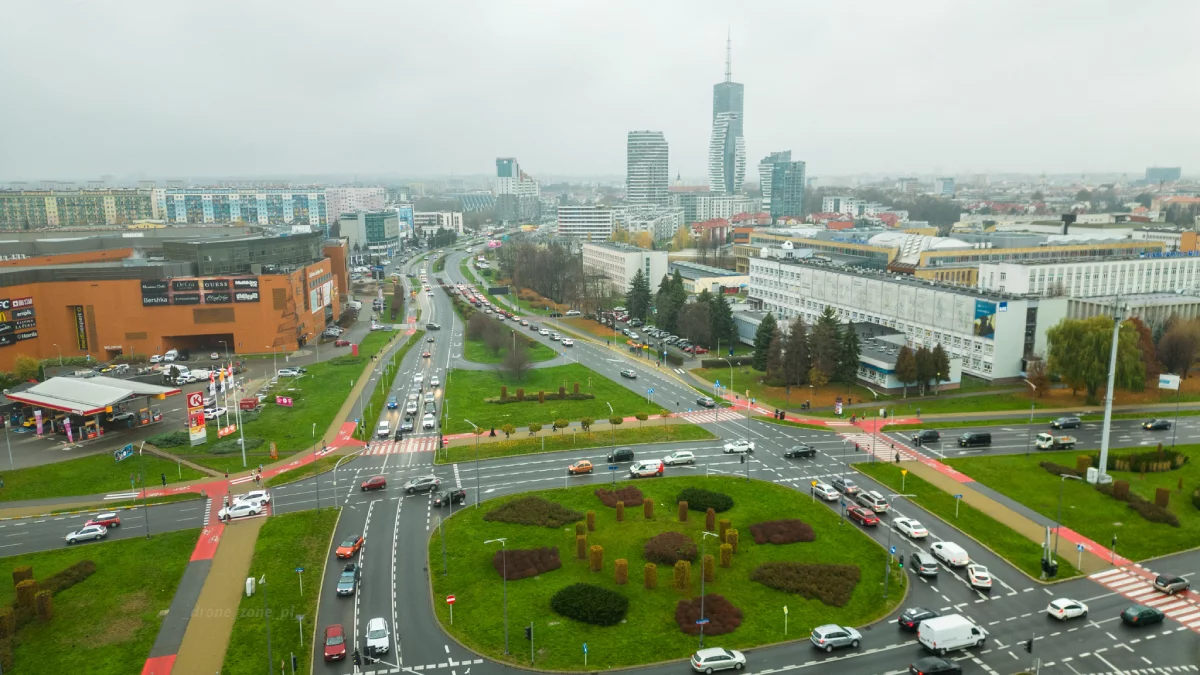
374, 86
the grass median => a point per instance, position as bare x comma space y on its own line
91, 475
653, 432
649, 632
477, 352
467, 391
1001, 539
1089, 511
107, 623
285, 542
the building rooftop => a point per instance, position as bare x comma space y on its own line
621, 246
873, 342
691, 270
1142, 299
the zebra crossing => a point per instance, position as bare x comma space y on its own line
413, 444
884, 449
1137, 584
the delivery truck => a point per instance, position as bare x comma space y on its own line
1046, 441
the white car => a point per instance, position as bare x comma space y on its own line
1063, 609
418, 378
740, 445
543, 331
568, 342
240, 510
168, 358
87, 532
435, 381
214, 356
979, 577
261, 496
910, 528
427, 422
157, 358
288, 372
572, 312
213, 413
378, 639
680, 457
825, 491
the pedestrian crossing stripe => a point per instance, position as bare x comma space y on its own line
418, 444
1137, 585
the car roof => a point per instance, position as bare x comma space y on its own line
107, 514
712, 651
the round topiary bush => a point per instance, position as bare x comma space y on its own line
699, 499
590, 604
669, 547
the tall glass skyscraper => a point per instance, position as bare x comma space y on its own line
727, 146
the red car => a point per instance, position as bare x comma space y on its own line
349, 547
108, 519
701, 350
341, 343
862, 515
335, 643
374, 483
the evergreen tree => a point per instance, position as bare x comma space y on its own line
823, 345
925, 369
637, 300
941, 364
667, 317
676, 298
848, 355
723, 327
775, 356
906, 368
762, 341
795, 355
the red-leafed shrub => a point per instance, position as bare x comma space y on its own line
782, 532
669, 547
722, 616
629, 495
831, 584
525, 563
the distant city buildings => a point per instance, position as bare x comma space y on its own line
620, 262
32, 209
429, 222
339, 200
647, 175
727, 144
588, 222
1163, 174
702, 205
787, 190
371, 232
260, 206
944, 187
908, 185
765, 167
518, 195
659, 222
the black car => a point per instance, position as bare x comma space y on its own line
706, 402
1141, 615
926, 436
912, 617
450, 497
422, 484
1066, 423
801, 450
433, 326
1157, 425
621, 455
934, 665
630, 374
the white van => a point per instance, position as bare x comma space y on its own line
946, 633
950, 553
646, 467
384, 430
171, 355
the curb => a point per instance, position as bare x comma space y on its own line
312, 664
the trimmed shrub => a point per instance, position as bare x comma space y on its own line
591, 521
8, 623
641, 417
561, 423
621, 571
782, 532
1120, 489
683, 510
722, 616
708, 568
575, 388
6, 654
731, 538
1162, 497
1147, 461
580, 528
650, 576
614, 420
1059, 469
648, 508
503, 392
585, 423
1082, 464
581, 547
171, 439
620, 512
830, 584
525, 563
722, 527
26, 590
628, 494
669, 547
699, 499
533, 510
726, 555
596, 557
541, 397
683, 575
521, 395
710, 519
21, 573
45, 606
562, 391
590, 604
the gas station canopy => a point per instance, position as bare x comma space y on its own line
90, 396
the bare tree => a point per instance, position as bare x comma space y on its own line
517, 361
1178, 346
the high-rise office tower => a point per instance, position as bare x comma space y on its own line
765, 167
646, 176
727, 146
787, 189
518, 195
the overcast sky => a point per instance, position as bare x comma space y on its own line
184, 89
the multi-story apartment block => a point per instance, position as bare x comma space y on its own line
429, 222
647, 176
375, 232
701, 206
339, 200
262, 206
33, 209
1157, 273
620, 262
589, 222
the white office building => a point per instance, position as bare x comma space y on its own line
619, 262
339, 200
659, 222
647, 176
990, 332
590, 222
1090, 278
429, 222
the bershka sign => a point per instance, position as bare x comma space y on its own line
155, 300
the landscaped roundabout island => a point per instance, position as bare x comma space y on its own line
619, 568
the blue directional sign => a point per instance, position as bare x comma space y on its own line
585, 648
731, 351
701, 622
299, 569
718, 383
1078, 547
650, 390
958, 496
893, 550
612, 467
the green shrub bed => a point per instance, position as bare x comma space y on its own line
590, 604
699, 499
533, 510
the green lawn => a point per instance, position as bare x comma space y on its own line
746, 378
477, 352
651, 431
467, 390
107, 623
983, 402
94, 474
1091, 513
284, 543
649, 633
317, 396
1001, 539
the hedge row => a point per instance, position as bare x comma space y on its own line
590, 604
1145, 508
722, 363
629, 495
782, 532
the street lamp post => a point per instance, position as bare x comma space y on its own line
226, 348
612, 435
504, 577
476, 426
267, 618
59, 354
704, 538
1058, 521
274, 359
1029, 429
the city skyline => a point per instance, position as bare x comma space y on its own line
932, 89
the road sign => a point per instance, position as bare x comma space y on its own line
1080, 547
299, 569
650, 390
893, 549
701, 622
904, 472
613, 467
718, 383
585, 648
958, 496
449, 599
814, 483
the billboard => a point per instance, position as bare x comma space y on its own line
80, 328
197, 428
205, 290
985, 319
320, 297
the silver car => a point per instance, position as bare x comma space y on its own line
832, 635
86, 533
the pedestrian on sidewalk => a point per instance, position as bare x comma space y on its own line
226, 474
164, 480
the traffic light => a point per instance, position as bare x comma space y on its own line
528, 632
901, 561
1029, 645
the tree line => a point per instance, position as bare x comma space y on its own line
801, 355
705, 321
